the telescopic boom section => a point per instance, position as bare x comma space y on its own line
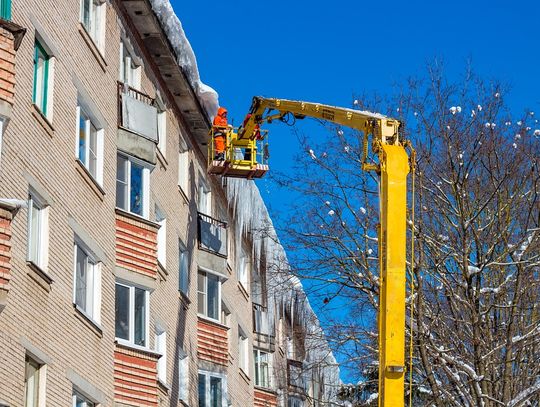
382, 127
392, 168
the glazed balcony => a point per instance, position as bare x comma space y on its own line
212, 235
137, 112
263, 330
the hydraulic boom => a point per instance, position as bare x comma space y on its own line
387, 143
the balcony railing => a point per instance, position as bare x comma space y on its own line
295, 376
261, 322
212, 235
137, 112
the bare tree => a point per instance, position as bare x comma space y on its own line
476, 276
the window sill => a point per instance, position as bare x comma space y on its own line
214, 322
39, 275
244, 376
93, 47
42, 120
90, 180
164, 387
184, 299
162, 159
137, 348
134, 216
163, 273
243, 290
88, 320
183, 195
268, 390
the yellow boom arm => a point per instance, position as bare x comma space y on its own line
393, 168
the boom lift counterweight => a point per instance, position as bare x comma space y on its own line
392, 168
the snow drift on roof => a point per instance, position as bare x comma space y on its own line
171, 25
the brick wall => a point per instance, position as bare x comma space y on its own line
136, 245
135, 377
264, 398
5, 255
212, 342
7, 66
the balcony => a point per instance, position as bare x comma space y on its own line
295, 376
212, 235
263, 329
137, 112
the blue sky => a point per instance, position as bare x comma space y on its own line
327, 51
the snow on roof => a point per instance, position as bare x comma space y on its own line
185, 57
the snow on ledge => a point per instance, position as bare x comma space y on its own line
171, 25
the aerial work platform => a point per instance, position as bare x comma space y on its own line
230, 156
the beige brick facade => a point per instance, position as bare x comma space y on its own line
77, 348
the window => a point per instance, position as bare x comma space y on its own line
131, 313
81, 401
184, 269
225, 314
242, 270
161, 348
32, 383
204, 199
132, 185
243, 351
183, 171
161, 237
130, 72
263, 368
89, 144
162, 131
5, 9
41, 78
295, 374
87, 287
38, 231
209, 295
93, 19
183, 376
211, 390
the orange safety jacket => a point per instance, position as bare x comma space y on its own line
219, 137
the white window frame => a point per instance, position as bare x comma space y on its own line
132, 76
39, 387
243, 270
131, 340
93, 283
85, 400
258, 366
183, 171
161, 348
243, 351
161, 220
89, 122
162, 131
204, 201
206, 273
183, 376
126, 206
96, 21
208, 375
2, 123
183, 268
39, 255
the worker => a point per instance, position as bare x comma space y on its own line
219, 130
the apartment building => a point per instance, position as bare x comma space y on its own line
128, 276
